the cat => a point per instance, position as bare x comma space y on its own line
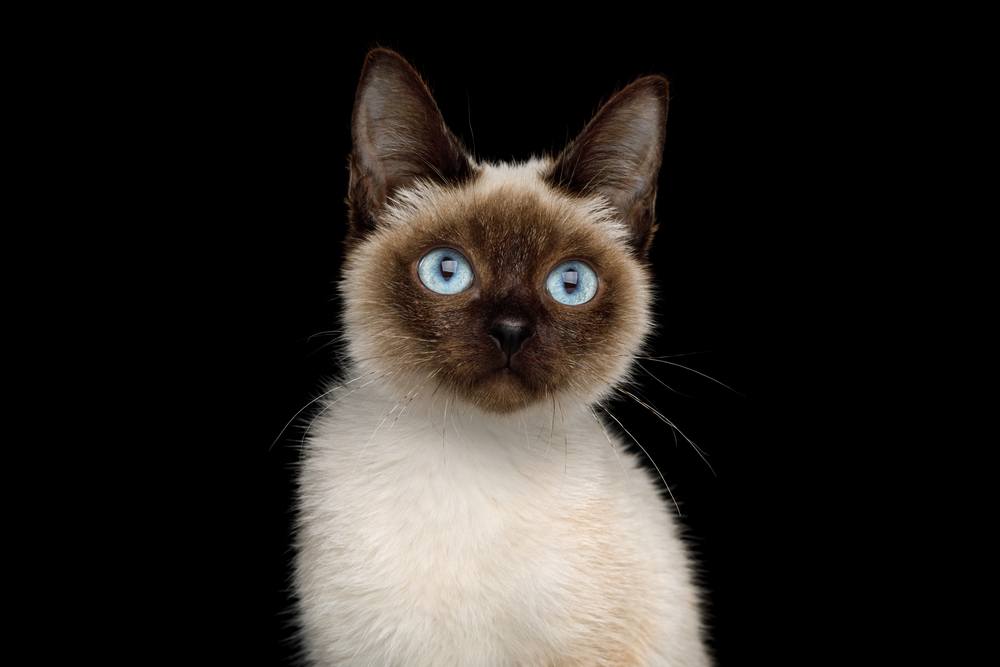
460, 500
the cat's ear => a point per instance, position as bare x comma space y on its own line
399, 137
618, 155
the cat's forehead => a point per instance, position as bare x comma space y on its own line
506, 213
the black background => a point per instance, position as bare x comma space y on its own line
249, 127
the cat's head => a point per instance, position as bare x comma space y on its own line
502, 285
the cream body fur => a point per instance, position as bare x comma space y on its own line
469, 539
460, 500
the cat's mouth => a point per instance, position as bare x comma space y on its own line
508, 387
508, 372
514, 367
499, 379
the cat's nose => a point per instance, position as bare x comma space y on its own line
510, 334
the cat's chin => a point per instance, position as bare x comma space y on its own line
506, 390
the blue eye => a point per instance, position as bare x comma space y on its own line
445, 271
572, 283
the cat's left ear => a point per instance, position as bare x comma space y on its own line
399, 138
618, 156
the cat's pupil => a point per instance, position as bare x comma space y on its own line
448, 267
570, 280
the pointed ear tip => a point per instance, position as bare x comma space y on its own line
380, 57
656, 83
382, 53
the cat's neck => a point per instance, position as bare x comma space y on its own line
556, 420
374, 437
430, 396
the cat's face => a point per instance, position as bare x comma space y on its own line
501, 285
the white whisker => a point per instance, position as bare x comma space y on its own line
691, 370
673, 426
664, 479
306, 406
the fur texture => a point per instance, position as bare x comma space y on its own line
461, 505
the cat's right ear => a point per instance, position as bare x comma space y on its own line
399, 137
618, 156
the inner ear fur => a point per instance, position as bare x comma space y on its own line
399, 137
618, 155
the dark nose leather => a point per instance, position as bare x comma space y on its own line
510, 334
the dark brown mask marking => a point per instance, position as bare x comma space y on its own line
503, 342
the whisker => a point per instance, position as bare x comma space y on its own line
675, 355
669, 423
306, 406
562, 417
360, 455
696, 372
552, 426
306, 431
662, 478
444, 421
330, 332
524, 426
415, 392
389, 335
613, 448
650, 374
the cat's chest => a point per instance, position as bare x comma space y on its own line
455, 528
457, 508
451, 542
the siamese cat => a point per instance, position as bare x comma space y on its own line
461, 501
